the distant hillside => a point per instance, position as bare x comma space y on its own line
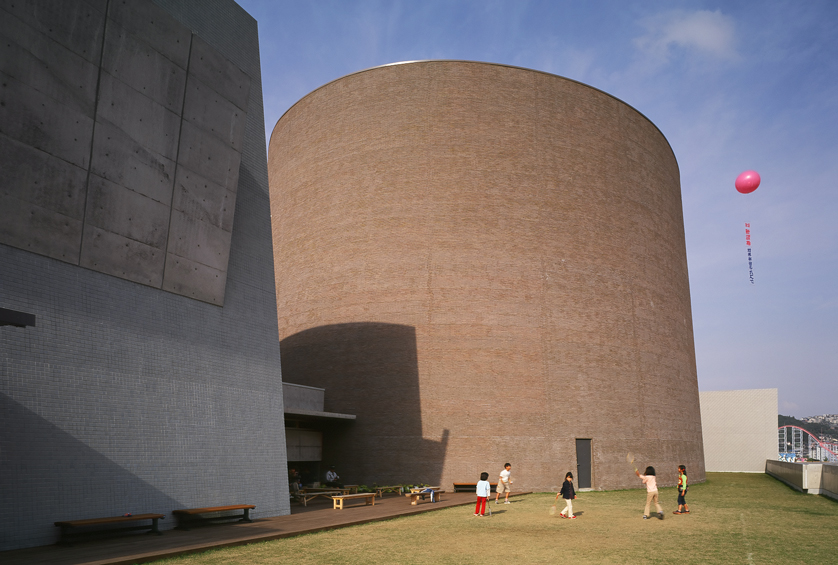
816, 429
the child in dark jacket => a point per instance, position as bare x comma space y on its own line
568, 494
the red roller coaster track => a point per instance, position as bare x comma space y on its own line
820, 443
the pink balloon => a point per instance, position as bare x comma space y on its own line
747, 182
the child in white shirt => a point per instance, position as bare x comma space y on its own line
651, 483
484, 489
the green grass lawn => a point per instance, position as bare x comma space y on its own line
735, 518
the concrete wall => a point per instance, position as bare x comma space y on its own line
789, 473
123, 132
829, 478
302, 397
740, 429
125, 397
812, 478
484, 263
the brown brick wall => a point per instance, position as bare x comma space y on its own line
484, 263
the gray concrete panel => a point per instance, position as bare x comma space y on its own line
203, 199
213, 113
73, 23
209, 156
37, 120
36, 177
47, 66
127, 396
28, 226
211, 67
199, 241
121, 257
156, 27
143, 68
120, 159
195, 280
148, 123
301, 397
122, 211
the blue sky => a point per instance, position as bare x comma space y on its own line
733, 86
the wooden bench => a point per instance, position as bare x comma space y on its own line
306, 495
471, 487
381, 490
68, 527
369, 499
193, 515
416, 494
308, 490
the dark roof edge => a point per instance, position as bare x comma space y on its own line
330, 415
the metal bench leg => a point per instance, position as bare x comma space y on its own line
246, 516
154, 528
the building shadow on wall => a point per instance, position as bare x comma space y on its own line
47, 475
370, 370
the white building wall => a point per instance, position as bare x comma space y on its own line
739, 429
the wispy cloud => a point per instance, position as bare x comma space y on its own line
789, 407
702, 31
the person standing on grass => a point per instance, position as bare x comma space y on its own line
651, 483
504, 481
484, 490
682, 491
569, 494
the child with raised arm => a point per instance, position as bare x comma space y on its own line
568, 493
504, 480
484, 489
682, 491
651, 483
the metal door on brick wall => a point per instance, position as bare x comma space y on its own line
583, 463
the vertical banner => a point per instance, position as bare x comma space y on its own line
750, 256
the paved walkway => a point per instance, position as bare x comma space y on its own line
141, 548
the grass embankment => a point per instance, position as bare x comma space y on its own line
735, 518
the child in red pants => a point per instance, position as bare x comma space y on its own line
484, 489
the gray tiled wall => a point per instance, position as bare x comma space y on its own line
127, 398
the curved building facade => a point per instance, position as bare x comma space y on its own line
485, 264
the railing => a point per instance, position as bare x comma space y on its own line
801, 447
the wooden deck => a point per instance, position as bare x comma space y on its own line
140, 548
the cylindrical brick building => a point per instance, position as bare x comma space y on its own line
486, 264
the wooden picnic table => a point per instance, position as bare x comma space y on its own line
420, 492
381, 490
306, 495
312, 490
420, 489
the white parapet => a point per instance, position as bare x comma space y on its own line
812, 478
